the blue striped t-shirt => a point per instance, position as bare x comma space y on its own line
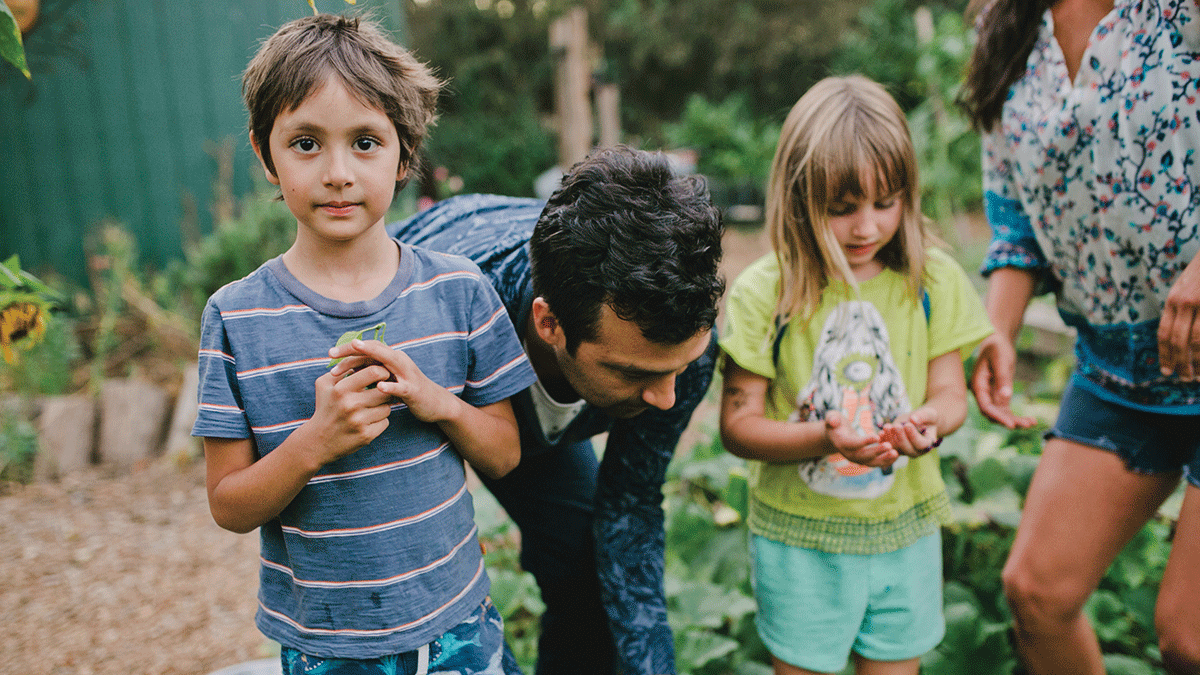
378, 554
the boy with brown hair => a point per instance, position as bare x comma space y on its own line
349, 459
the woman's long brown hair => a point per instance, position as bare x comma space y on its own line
1007, 31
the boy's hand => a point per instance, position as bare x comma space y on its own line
426, 400
913, 434
348, 414
858, 448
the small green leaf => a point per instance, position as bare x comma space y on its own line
11, 47
352, 335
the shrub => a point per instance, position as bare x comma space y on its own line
734, 150
236, 247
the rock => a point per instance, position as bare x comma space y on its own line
133, 417
180, 445
66, 435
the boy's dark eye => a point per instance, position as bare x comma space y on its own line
365, 144
305, 145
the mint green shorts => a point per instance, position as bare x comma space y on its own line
815, 608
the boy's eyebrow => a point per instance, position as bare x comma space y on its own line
314, 128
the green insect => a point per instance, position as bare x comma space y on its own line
358, 335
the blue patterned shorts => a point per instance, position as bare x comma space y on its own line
474, 647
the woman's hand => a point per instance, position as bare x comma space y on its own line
1179, 328
992, 382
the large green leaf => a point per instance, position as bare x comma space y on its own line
11, 47
1118, 664
697, 648
708, 605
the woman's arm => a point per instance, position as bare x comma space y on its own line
1009, 292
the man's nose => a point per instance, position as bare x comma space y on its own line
661, 394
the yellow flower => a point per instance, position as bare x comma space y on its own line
18, 321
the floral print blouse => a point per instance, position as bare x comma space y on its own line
1094, 186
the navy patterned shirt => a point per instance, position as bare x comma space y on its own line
1092, 185
494, 232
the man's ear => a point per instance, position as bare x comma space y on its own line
545, 324
258, 153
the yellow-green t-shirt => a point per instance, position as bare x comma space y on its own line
868, 357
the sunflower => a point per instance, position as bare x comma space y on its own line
20, 321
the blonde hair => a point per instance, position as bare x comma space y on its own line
839, 132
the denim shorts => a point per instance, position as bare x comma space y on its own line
474, 647
814, 608
1148, 442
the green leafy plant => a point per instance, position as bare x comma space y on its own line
498, 152
11, 47
18, 446
47, 368
734, 149
919, 54
514, 591
236, 247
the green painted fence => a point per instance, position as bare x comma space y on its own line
128, 101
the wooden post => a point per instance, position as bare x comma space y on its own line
608, 114
573, 81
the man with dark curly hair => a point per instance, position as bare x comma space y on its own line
612, 285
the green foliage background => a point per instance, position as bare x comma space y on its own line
717, 76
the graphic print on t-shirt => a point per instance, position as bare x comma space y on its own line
854, 374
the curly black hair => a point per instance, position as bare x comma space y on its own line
625, 231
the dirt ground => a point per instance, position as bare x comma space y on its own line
106, 574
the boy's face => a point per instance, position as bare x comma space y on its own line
337, 162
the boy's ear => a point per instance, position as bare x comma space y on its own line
258, 153
402, 172
545, 324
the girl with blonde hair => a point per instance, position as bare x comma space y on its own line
828, 344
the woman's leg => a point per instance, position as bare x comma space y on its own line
1083, 506
1177, 617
